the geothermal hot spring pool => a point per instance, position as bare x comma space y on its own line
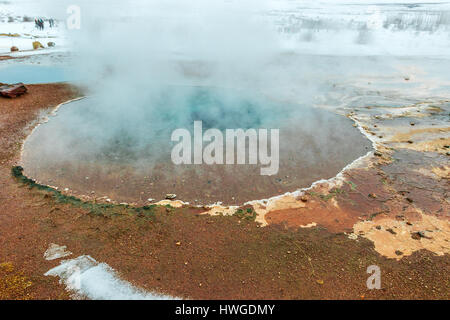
122, 149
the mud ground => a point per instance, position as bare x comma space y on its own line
317, 244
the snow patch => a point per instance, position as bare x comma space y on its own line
87, 278
55, 251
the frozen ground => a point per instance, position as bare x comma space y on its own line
17, 29
329, 27
365, 27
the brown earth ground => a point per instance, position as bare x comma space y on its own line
371, 216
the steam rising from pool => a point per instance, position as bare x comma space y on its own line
134, 164
128, 49
294, 54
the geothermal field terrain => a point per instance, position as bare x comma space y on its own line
344, 107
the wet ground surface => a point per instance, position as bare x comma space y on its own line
398, 196
390, 209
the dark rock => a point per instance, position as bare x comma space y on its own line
51, 44
398, 252
12, 91
421, 233
418, 235
391, 231
14, 49
415, 236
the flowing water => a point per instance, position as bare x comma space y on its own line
326, 58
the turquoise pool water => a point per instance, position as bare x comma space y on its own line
34, 74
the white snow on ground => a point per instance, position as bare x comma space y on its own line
27, 35
336, 27
17, 28
87, 278
401, 28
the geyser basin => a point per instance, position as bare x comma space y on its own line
122, 149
